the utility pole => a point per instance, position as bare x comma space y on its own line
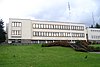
69, 11
70, 21
93, 19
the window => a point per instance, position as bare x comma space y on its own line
36, 25
13, 32
95, 37
68, 34
33, 33
13, 24
46, 26
61, 34
16, 24
51, 27
51, 34
16, 32
40, 33
36, 33
68, 27
78, 35
19, 32
55, 26
41, 25
71, 27
33, 25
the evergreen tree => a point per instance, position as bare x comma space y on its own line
91, 26
97, 25
2, 32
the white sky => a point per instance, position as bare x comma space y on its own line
49, 10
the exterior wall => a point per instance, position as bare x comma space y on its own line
25, 29
58, 30
93, 34
34, 31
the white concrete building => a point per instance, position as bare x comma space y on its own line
35, 31
93, 34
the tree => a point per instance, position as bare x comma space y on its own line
2, 32
91, 26
97, 25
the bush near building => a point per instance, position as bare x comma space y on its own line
80, 45
57, 43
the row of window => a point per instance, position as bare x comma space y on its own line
95, 37
51, 26
58, 34
16, 32
42, 41
95, 30
16, 24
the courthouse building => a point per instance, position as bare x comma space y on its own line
36, 31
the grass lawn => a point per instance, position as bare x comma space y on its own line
95, 45
37, 56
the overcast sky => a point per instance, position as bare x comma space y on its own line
53, 10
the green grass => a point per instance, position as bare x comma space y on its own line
37, 56
95, 45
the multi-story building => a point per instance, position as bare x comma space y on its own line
93, 34
35, 31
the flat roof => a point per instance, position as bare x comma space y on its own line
47, 21
94, 28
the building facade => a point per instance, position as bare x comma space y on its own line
35, 31
93, 34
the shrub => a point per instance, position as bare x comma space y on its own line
97, 49
45, 45
94, 42
81, 49
94, 49
83, 42
57, 43
81, 46
89, 42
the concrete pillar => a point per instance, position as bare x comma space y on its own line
38, 42
46, 41
53, 41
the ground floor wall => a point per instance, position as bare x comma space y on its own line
35, 41
94, 41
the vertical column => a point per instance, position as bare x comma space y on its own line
46, 41
38, 42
